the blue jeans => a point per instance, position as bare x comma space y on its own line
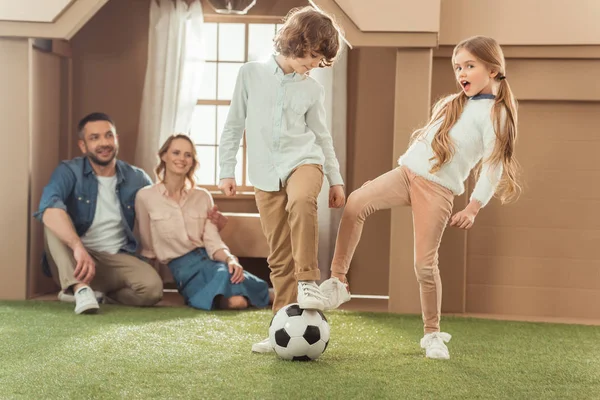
200, 280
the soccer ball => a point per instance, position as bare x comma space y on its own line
298, 334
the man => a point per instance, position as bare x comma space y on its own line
88, 212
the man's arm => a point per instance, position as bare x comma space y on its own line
53, 213
59, 222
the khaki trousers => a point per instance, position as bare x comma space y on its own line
124, 278
431, 208
289, 222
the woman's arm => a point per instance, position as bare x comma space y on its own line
216, 248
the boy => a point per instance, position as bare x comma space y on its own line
290, 150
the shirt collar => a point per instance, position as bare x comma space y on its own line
482, 96
277, 71
87, 169
162, 189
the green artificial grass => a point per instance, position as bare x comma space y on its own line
48, 352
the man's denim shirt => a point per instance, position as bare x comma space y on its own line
73, 187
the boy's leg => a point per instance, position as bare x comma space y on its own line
273, 219
303, 187
126, 279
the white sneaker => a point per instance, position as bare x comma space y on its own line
69, 298
85, 301
263, 347
310, 296
336, 293
434, 345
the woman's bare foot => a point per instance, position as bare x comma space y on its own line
271, 295
233, 303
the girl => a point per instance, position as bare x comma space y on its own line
476, 128
172, 216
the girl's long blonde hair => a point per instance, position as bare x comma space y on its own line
504, 114
161, 167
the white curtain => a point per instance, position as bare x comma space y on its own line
334, 80
173, 75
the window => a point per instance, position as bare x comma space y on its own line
228, 46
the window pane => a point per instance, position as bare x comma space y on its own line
227, 76
260, 41
208, 88
238, 167
203, 125
210, 40
221, 118
232, 42
205, 174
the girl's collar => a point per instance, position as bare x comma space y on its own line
483, 96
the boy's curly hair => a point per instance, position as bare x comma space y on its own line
306, 30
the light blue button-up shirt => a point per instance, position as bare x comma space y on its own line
285, 124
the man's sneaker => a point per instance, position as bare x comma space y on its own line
263, 347
336, 293
310, 296
69, 298
85, 301
434, 345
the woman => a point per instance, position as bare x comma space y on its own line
172, 216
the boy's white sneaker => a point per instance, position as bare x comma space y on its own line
310, 296
336, 293
85, 301
263, 346
435, 345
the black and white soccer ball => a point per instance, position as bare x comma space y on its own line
299, 334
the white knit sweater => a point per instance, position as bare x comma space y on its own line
474, 138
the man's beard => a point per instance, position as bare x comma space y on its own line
97, 161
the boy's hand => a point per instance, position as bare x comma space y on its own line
227, 186
337, 198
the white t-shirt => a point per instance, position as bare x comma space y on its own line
107, 233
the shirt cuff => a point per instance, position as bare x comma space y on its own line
335, 178
227, 172
55, 203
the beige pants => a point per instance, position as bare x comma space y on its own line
122, 277
289, 222
431, 207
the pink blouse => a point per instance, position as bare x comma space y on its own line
169, 229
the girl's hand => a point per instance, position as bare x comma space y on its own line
463, 219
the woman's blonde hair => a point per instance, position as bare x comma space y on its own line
504, 114
160, 168
307, 31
